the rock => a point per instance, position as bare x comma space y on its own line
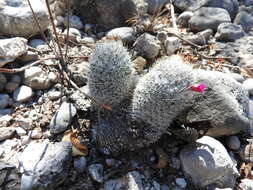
11, 48
223, 107
172, 44
17, 19
208, 18
108, 14
248, 85
37, 43
16, 78
207, 162
148, 46
96, 172
4, 112
126, 34
229, 32
246, 184
4, 100
9, 175
110, 162
230, 5
54, 95
63, 117
74, 34
22, 94
86, 40
20, 131
245, 20
47, 167
155, 5
36, 133
11, 87
74, 22
201, 38
233, 143
28, 56
6, 133
25, 123
80, 164
131, 181
3, 81
181, 182
183, 18
36, 78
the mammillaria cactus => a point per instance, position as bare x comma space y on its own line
161, 95
109, 78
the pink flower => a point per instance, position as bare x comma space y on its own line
198, 88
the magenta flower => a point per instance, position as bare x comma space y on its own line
198, 88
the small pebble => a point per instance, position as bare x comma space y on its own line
181, 182
110, 162
80, 164
96, 172
233, 143
22, 94
20, 131
6, 133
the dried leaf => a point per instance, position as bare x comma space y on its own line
245, 170
77, 148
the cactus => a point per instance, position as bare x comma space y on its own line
109, 79
161, 95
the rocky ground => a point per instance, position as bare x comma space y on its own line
47, 120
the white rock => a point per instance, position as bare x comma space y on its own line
74, 22
248, 85
32, 72
11, 48
208, 162
22, 94
20, 131
74, 34
5, 120
126, 34
172, 44
246, 184
16, 17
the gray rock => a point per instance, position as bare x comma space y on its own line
74, 34
63, 117
183, 18
80, 164
248, 85
11, 48
223, 109
229, 32
36, 133
131, 181
230, 5
86, 40
172, 44
3, 81
165, 187
9, 175
148, 46
181, 182
233, 143
156, 5
4, 112
28, 56
36, 78
108, 14
16, 18
207, 162
201, 38
47, 167
4, 100
81, 102
126, 34
246, 184
37, 43
25, 123
6, 133
208, 18
74, 22
245, 20
96, 172
22, 94
20, 131
16, 78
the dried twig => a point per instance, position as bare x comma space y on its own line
4, 70
67, 39
172, 12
